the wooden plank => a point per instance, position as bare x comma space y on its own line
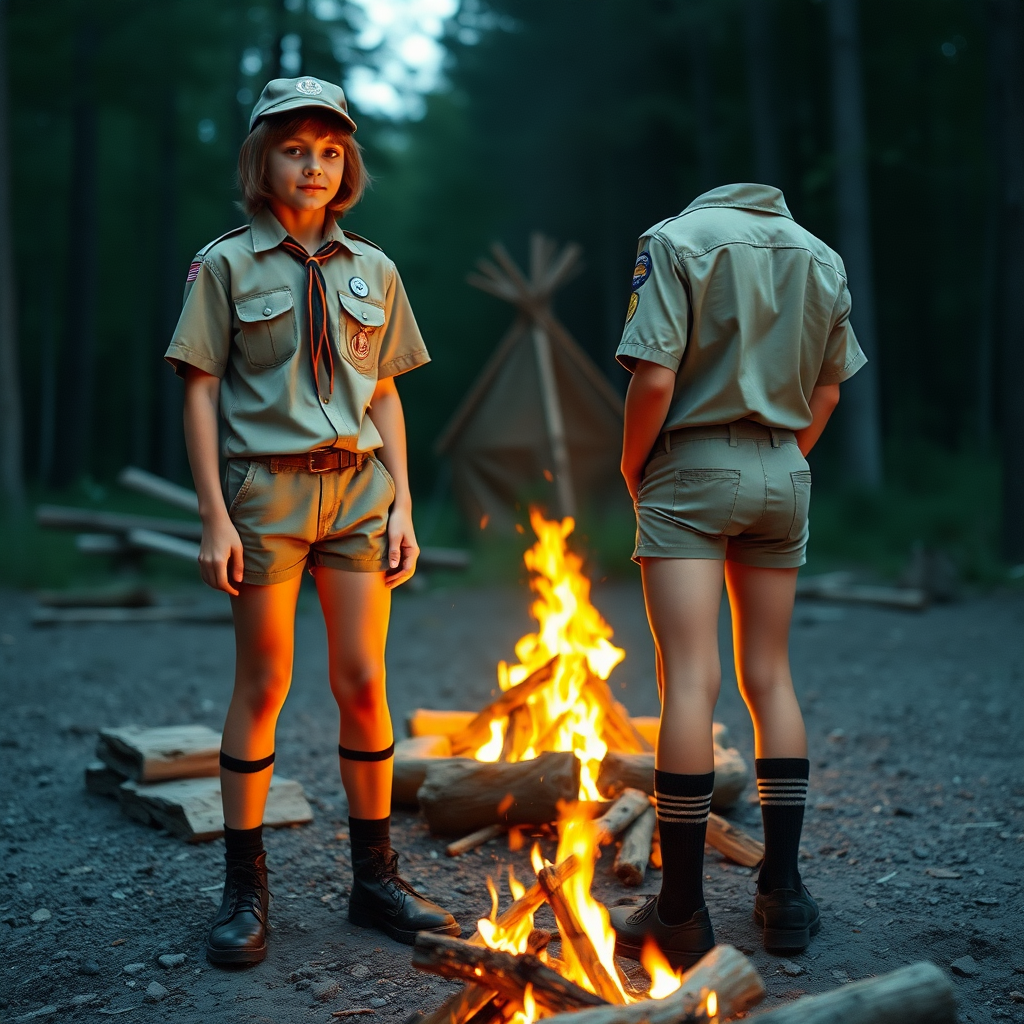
60, 517
163, 544
157, 487
153, 755
192, 809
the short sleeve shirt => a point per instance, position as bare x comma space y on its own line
245, 320
751, 311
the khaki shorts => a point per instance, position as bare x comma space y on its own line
293, 518
739, 492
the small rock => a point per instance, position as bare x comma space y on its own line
986, 901
169, 960
324, 991
133, 968
302, 984
942, 873
83, 999
41, 915
359, 970
1017, 997
920, 852
118, 895
155, 993
43, 1011
89, 967
790, 968
378, 1002
966, 967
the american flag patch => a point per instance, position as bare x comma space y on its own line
193, 271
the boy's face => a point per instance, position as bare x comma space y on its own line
305, 172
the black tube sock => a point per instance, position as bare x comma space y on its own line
683, 805
243, 844
782, 788
366, 834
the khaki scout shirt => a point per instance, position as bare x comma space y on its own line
749, 309
245, 321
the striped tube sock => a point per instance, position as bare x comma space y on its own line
782, 789
683, 805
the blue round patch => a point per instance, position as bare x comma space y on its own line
359, 287
642, 270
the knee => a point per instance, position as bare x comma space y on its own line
764, 681
358, 687
264, 695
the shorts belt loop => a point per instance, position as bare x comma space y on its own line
732, 435
666, 441
775, 437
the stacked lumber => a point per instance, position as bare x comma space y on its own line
170, 778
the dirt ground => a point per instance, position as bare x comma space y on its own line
915, 724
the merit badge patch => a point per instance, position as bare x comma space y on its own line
193, 270
634, 301
309, 87
360, 345
357, 286
642, 270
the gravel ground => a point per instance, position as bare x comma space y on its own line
913, 843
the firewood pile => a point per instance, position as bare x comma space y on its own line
170, 778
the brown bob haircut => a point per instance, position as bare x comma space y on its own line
271, 131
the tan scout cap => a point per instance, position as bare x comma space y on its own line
283, 94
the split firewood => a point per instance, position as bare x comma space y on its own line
478, 732
412, 756
460, 793
725, 970
426, 722
192, 808
630, 804
474, 839
507, 974
632, 858
518, 733
573, 933
152, 755
726, 838
59, 517
619, 771
918, 994
618, 726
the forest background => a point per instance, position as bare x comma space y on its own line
894, 127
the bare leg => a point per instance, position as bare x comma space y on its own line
762, 608
264, 648
357, 608
683, 597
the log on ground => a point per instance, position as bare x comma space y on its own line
629, 805
619, 771
918, 994
733, 842
461, 794
635, 852
153, 755
725, 970
412, 756
475, 839
192, 809
507, 974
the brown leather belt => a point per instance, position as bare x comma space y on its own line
320, 460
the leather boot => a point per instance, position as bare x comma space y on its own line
789, 919
238, 934
683, 944
381, 899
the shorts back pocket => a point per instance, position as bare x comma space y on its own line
801, 502
705, 499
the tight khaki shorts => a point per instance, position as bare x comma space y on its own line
293, 518
739, 492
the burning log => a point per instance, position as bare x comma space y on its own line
474, 839
626, 809
632, 858
461, 793
918, 994
619, 731
507, 974
478, 732
726, 838
619, 771
518, 733
572, 931
425, 722
725, 970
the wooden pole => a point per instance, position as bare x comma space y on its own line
553, 421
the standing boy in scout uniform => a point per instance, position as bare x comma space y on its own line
738, 336
289, 342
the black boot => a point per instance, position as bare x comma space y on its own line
683, 944
238, 934
382, 899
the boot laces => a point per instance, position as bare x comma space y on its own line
385, 864
246, 889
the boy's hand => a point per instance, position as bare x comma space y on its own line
220, 556
403, 551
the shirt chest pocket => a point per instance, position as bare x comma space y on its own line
270, 333
362, 327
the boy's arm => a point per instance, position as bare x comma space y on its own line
647, 404
389, 419
824, 399
220, 552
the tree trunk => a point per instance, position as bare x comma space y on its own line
12, 481
48, 368
861, 407
1006, 43
759, 37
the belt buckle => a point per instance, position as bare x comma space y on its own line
319, 461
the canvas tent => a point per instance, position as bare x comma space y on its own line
541, 422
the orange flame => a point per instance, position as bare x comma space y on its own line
664, 980
510, 939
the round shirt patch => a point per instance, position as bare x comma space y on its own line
309, 87
634, 301
359, 287
360, 345
642, 270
